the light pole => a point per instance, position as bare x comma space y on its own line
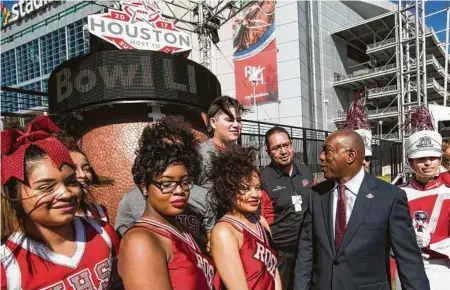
279, 117
325, 105
381, 129
253, 78
255, 106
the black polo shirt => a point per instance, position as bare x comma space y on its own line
285, 221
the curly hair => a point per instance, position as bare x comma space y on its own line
229, 174
445, 158
172, 128
153, 159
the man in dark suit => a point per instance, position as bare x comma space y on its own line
352, 223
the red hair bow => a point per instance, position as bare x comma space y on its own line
15, 142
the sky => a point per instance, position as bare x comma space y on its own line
437, 21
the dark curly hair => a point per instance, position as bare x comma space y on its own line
172, 128
153, 159
170, 131
228, 175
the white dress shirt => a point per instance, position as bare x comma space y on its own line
351, 192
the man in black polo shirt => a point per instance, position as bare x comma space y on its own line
286, 189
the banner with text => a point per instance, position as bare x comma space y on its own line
255, 53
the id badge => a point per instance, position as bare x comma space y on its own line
297, 202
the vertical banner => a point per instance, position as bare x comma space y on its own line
255, 50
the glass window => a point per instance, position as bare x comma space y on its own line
28, 61
78, 44
9, 102
53, 50
8, 68
27, 101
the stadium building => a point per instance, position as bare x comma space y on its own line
314, 56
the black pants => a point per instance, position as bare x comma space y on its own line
286, 265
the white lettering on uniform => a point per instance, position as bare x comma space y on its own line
264, 255
83, 279
103, 273
207, 269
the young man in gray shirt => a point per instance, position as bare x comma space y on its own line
225, 126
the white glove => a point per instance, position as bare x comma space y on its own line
425, 258
423, 238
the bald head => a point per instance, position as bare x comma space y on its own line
342, 156
350, 139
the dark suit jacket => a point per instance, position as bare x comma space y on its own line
379, 221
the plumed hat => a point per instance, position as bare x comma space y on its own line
424, 140
357, 121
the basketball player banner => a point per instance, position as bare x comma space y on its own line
254, 46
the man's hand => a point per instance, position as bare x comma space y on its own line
423, 238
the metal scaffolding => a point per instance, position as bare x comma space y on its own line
412, 64
203, 17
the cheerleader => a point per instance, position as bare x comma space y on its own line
87, 177
241, 242
157, 252
45, 246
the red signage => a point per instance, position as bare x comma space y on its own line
255, 49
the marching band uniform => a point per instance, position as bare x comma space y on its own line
258, 257
433, 234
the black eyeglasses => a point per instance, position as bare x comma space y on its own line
170, 186
285, 146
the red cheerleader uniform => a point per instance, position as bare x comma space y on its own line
258, 258
28, 264
189, 268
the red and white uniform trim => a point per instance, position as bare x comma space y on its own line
189, 268
28, 264
434, 199
101, 212
258, 258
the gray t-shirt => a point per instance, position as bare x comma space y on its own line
205, 150
198, 216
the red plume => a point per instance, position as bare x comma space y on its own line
357, 115
420, 119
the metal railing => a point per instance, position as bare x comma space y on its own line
386, 89
339, 77
381, 43
307, 145
389, 41
370, 113
389, 136
365, 72
431, 82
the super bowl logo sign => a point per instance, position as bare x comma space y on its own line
139, 25
255, 53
